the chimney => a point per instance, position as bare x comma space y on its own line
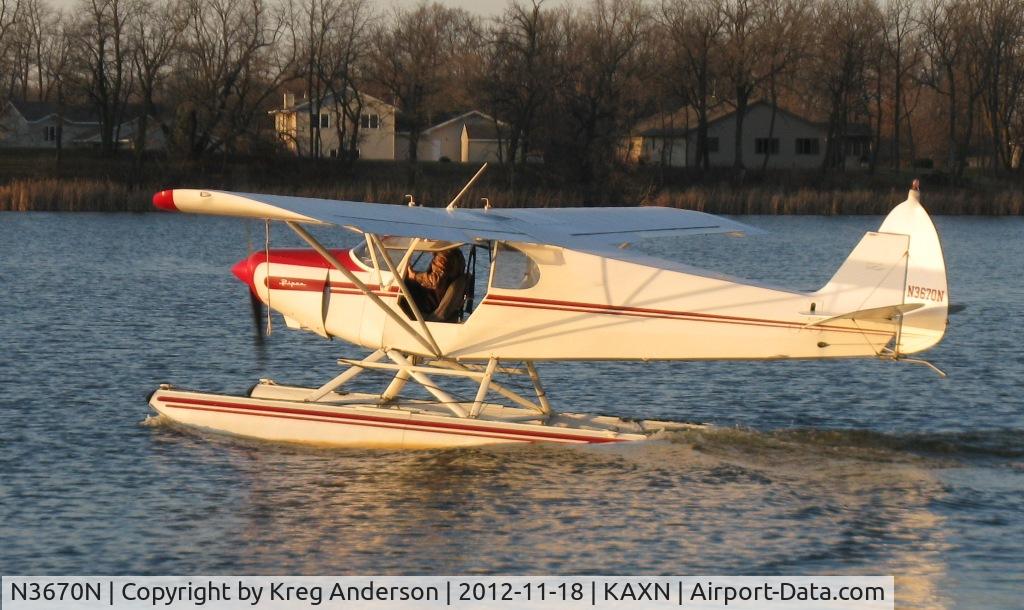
289, 100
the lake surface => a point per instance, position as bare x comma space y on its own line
858, 467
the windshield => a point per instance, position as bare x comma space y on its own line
396, 247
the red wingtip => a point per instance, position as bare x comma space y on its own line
165, 200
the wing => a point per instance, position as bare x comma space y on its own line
575, 228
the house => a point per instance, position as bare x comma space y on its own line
126, 136
470, 137
26, 124
794, 142
376, 133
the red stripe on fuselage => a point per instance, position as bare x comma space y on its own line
622, 310
304, 257
303, 284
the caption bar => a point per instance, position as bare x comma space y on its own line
436, 592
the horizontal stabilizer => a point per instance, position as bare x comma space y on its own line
889, 313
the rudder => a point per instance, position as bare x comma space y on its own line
926, 276
899, 271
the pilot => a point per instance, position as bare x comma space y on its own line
428, 287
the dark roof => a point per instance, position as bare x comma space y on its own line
443, 118
37, 111
328, 101
480, 128
656, 128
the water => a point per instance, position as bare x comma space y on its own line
857, 467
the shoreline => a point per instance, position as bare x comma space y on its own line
32, 181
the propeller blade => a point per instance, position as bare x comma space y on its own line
257, 315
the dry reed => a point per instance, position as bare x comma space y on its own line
107, 195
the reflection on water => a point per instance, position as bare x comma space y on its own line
813, 468
689, 503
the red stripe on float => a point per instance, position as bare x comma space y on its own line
453, 428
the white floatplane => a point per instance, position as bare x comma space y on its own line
560, 286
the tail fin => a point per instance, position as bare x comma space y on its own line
899, 269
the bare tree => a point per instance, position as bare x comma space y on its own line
311, 21
38, 25
230, 62
342, 69
601, 75
999, 43
519, 74
847, 30
743, 61
898, 34
412, 61
156, 31
11, 17
332, 39
104, 52
786, 26
945, 26
58, 60
695, 29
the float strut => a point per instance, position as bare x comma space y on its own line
343, 378
485, 382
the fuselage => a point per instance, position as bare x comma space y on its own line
552, 303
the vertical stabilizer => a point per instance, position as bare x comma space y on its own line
897, 274
926, 275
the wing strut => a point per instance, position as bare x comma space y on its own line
309, 239
405, 291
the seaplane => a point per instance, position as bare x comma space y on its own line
561, 284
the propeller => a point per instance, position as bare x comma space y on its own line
258, 313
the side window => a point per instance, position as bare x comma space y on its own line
363, 253
514, 270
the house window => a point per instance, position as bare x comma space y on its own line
856, 148
764, 146
50, 133
370, 121
325, 120
807, 146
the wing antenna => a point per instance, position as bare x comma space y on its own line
452, 205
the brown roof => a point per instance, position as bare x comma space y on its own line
676, 125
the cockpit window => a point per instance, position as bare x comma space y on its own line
396, 248
514, 270
363, 253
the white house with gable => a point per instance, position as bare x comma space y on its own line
376, 134
471, 137
793, 142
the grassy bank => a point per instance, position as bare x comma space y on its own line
31, 181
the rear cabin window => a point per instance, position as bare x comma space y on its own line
514, 270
